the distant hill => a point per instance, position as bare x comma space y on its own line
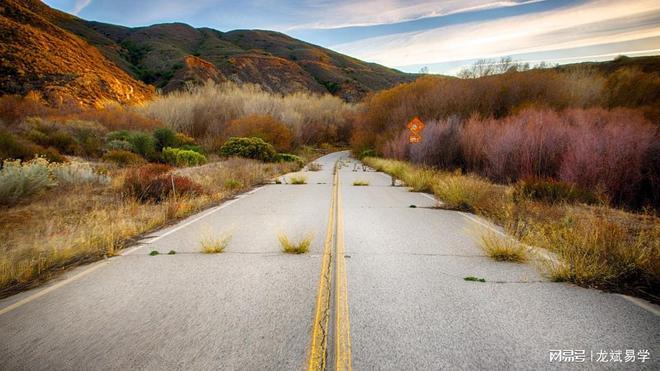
156, 54
48, 50
37, 55
648, 64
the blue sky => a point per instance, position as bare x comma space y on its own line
441, 35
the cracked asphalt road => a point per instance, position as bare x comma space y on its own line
252, 307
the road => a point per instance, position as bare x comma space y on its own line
382, 287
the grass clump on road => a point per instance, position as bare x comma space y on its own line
501, 248
474, 279
298, 179
314, 166
295, 247
360, 183
154, 253
172, 252
214, 245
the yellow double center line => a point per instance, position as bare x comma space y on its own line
334, 240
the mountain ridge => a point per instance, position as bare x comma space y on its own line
157, 53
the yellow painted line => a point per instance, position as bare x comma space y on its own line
319, 345
342, 323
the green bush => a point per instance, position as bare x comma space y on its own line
192, 147
287, 157
118, 135
141, 143
165, 138
254, 148
123, 158
119, 145
182, 157
19, 180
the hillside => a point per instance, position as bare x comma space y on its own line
157, 53
38, 55
48, 50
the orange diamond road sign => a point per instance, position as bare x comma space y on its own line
415, 138
416, 125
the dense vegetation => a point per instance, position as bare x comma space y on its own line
598, 130
543, 152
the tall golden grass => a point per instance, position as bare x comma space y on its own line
87, 221
205, 111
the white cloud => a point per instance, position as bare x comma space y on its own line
595, 22
347, 13
79, 5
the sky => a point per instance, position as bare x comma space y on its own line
443, 36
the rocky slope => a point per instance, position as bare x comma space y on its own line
37, 54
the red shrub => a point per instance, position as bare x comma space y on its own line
397, 147
528, 144
14, 108
608, 152
440, 146
475, 136
155, 182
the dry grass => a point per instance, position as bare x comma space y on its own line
361, 183
473, 194
204, 111
502, 248
596, 245
88, 221
214, 245
298, 179
456, 191
295, 247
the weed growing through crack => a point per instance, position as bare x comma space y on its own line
298, 180
153, 253
360, 183
214, 245
172, 252
295, 247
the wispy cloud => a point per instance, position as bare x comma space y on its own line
376, 12
593, 22
79, 5
410, 33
